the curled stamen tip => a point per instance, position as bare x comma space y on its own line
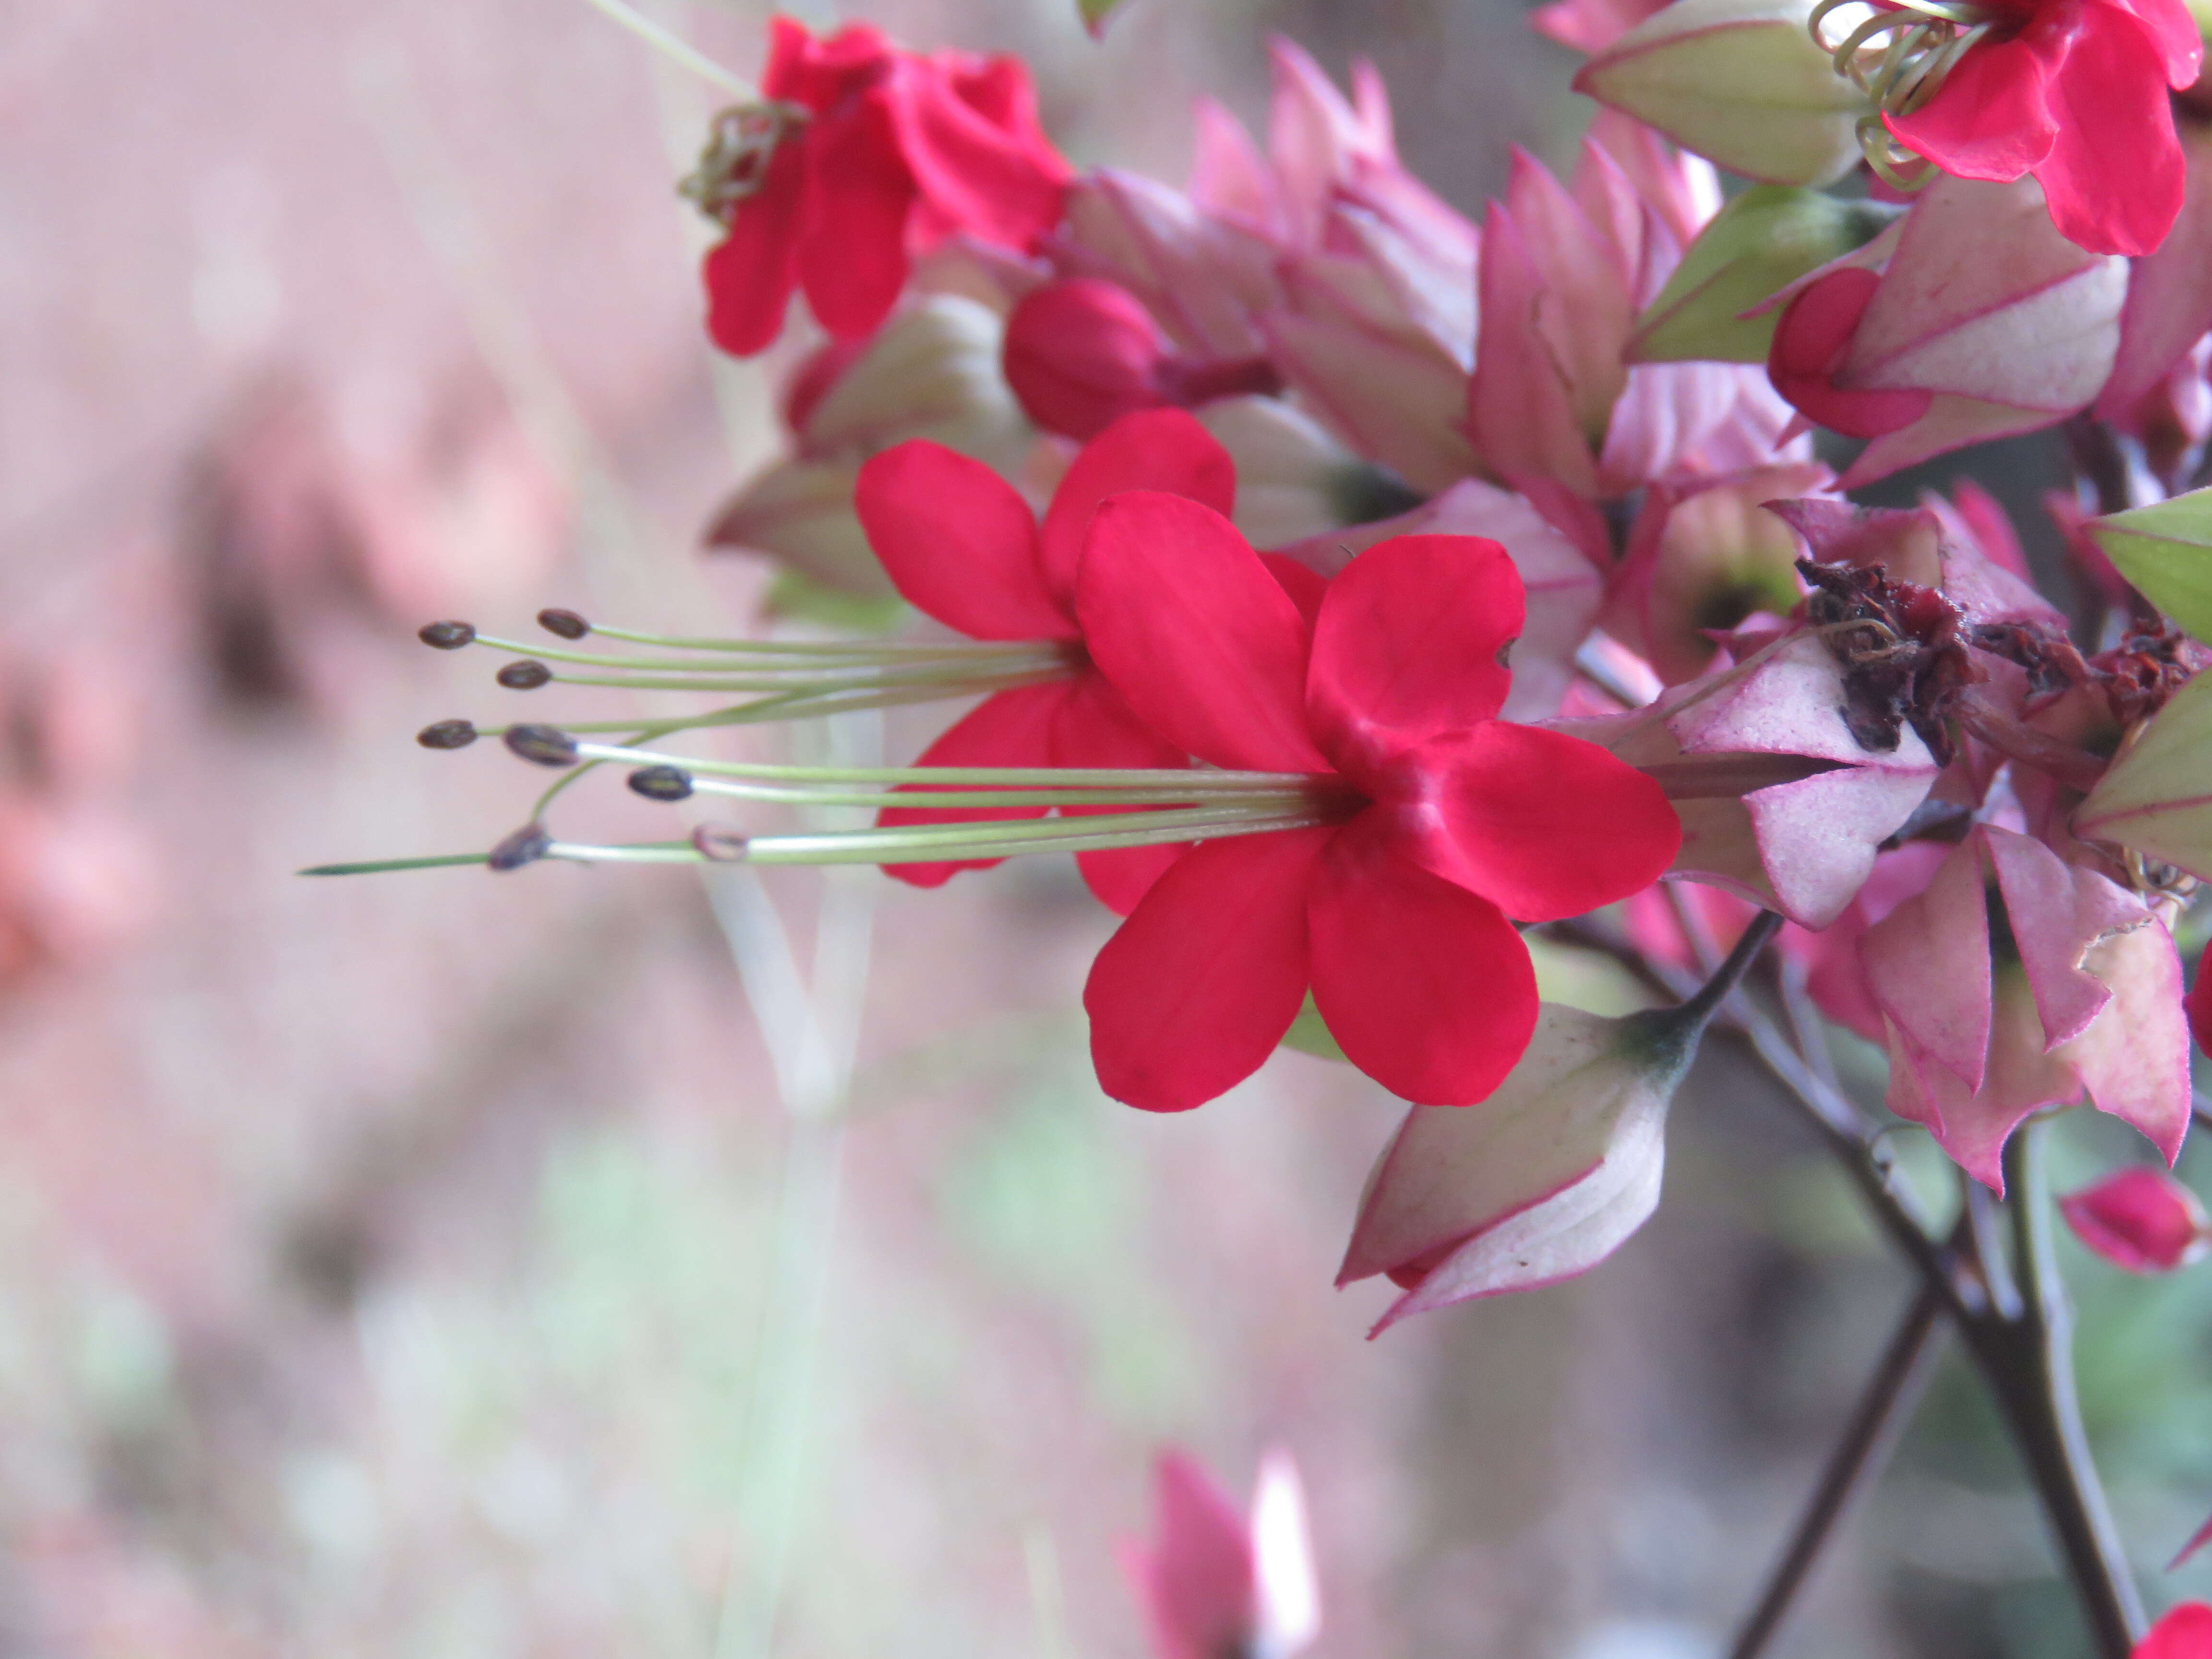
446, 734
661, 782
566, 624
526, 674
548, 745
445, 636
525, 846
720, 844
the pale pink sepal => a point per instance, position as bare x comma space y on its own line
1540, 1181
2139, 1218
2169, 304
1929, 963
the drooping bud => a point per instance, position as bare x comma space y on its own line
445, 636
1081, 353
719, 843
1740, 83
1758, 244
2142, 1219
1539, 1183
566, 624
446, 734
526, 674
2166, 551
2156, 798
661, 783
1213, 1582
525, 846
547, 745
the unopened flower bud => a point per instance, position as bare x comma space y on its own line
1539, 1183
446, 734
526, 674
548, 745
525, 846
665, 783
566, 624
1758, 244
2142, 1219
2166, 551
1738, 81
719, 843
445, 636
1082, 353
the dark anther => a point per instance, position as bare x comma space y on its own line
661, 782
525, 675
446, 734
567, 624
525, 846
445, 636
549, 745
719, 843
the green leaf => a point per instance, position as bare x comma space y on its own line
2166, 551
1762, 242
1094, 13
2156, 798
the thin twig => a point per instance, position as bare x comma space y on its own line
2029, 1365
1869, 1439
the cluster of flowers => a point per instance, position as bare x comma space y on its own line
1401, 584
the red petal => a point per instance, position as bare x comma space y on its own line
1992, 119
957, 542
1410, 643
1809, 343
1303, 584
1161, 449
2173, 26
2115, 178
2199, 1002
1009, 728
1004, 185
1428, 988
2185, 1633
1542, 825
1180, 614
750, 273
1194, 993
852, 254
1094, 727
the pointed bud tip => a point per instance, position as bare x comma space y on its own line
525, 846
526, 674
566, 624
719, 843
446, 734
547, 745
664, 783
445, 636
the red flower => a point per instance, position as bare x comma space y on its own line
1395, 913
2185, 1633
960, 544
2074, 92
873, 155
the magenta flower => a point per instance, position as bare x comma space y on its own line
962, 546
2074, 92
2183, 1633
1441, 821
861, 155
